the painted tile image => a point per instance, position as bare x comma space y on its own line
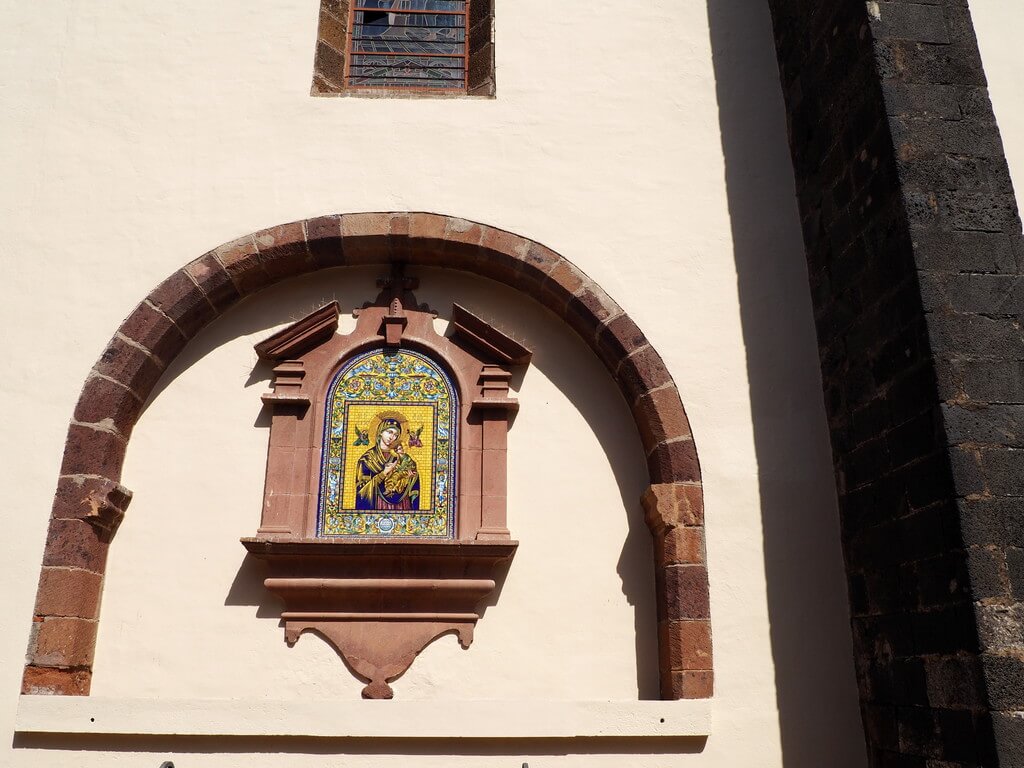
389, 449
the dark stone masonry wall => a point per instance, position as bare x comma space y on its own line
914, 255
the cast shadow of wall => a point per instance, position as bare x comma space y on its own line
807, 599
559, 355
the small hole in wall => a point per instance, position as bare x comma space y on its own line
663, 719
92, 719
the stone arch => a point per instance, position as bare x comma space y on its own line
90, 502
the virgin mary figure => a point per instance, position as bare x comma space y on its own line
386, 476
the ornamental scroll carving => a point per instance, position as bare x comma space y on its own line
384, 512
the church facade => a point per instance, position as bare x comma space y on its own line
622, 387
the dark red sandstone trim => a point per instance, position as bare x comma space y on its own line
89, 503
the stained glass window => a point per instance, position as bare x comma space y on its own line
408, 44
388, 466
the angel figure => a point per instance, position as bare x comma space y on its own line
414, 438
362, 436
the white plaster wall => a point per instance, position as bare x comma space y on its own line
997, 25
138, 135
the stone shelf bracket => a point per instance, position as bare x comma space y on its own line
379, 600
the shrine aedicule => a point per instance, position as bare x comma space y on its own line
384, 512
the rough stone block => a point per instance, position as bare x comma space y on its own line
75, 544
921, 23
50, 681
109, 404
323, 238
90, 451
243, 262
660, 417
366, 237
668, 505
617, 339
687, 684
183, 302
64, 642
283, 251
685, 644
330, 65
1004, 680
685, 593
674, 462
69, 592
561, 285
1004, 470
589, 310
680, 545
642, 372
214, 281
153, 330
79, 497
133, 367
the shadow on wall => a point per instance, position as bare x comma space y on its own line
558, 354
807, 599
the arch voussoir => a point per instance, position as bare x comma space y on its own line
323, 239
183, 303
283, 251
213, 280
90, 502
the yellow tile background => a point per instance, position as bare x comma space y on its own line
362, 414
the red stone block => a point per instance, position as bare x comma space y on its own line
641, 372
535, 267
75, 544
617, 339
589, 309
183, 302
366, 237
323, 238
104, 401
562, 283
136, 368
64, 643
81, 497
684, 644
154, 330
685, 594
660, 417
243, 262
283, 251
214, 281
674, 463
89, 451
427, 226
680, 545
69, 592
667, 505
49, 681
687, 684
462, 244
500, 241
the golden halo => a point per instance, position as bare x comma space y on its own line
376, 420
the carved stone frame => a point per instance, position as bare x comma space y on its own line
380, 601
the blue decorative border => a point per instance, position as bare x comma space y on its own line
450, 488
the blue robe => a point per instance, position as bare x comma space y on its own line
376, 492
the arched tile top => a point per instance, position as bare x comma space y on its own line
90, 502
